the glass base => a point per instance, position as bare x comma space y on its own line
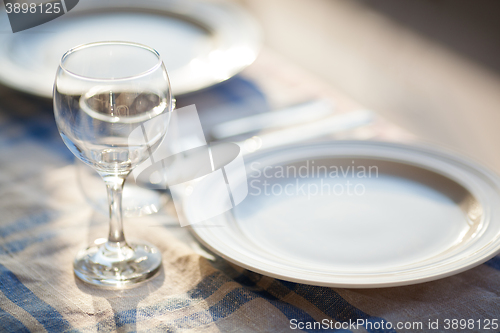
117, 265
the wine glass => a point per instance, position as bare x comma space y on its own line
112, 103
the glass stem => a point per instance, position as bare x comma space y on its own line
114, 186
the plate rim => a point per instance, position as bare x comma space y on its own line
493, 247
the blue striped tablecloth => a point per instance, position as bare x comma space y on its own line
45, 220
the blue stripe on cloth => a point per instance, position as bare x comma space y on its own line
230, 303
127, 317
20, 295
333, 305
236, 90
273, 293
494, 263
233, 300
131, 317
28, 222
208, 285
300, 315
39, 130
8, 323
325, 299
20, 244
277, 290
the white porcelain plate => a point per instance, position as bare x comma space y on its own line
357, 215
201, 43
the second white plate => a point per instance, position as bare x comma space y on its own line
201, 43
358, 215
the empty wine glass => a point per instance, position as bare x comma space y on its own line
112, 103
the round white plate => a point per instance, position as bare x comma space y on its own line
201, 43
357, 215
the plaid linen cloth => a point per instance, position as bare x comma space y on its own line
45, 220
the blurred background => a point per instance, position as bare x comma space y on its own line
430, 66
